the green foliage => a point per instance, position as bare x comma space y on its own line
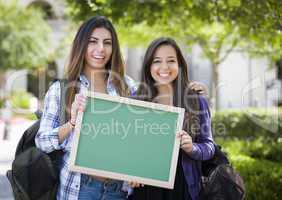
263, 178
264, 149
142, 31
249, 123
2, 103
20, 99
259, 148
254, 149
256, 22
26, 115
259, 22
24, 37
217, 26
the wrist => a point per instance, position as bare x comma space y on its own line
190, 151
71, 124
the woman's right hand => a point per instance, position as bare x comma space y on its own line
134, 184
78, 104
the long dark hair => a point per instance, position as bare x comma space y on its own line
77, 58
183, 96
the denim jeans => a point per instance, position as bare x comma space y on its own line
91, 189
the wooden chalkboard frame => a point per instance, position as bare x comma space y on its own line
118, 176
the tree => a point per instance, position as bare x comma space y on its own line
279, 68
217, 41
24, 43
24, 37
218, 26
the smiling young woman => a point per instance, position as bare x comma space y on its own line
164, 78
96, 64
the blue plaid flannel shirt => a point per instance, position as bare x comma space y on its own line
47, 137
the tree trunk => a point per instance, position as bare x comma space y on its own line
215, 86
6, 112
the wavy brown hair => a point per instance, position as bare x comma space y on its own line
182, 97
77, 58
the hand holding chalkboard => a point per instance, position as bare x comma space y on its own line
78, 105
186, 143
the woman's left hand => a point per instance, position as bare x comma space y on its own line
198, 87
186, 143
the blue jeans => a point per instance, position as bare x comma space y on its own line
91, 189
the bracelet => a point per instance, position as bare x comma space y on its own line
73, 125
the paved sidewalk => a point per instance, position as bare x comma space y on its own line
7, 151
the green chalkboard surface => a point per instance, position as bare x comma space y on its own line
127, 139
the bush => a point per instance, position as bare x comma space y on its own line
26, 115
259, 148
251, 123
20, 99
252, 140
2, 102
264, 149
263, 178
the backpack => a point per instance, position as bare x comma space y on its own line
35, 174
219, 180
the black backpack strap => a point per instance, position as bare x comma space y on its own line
63, 98
64, 86
56, 155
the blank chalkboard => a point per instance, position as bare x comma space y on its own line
126, 139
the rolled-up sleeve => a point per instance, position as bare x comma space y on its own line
203, 147
47, 138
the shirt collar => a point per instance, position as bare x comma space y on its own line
84, 81
110, 88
